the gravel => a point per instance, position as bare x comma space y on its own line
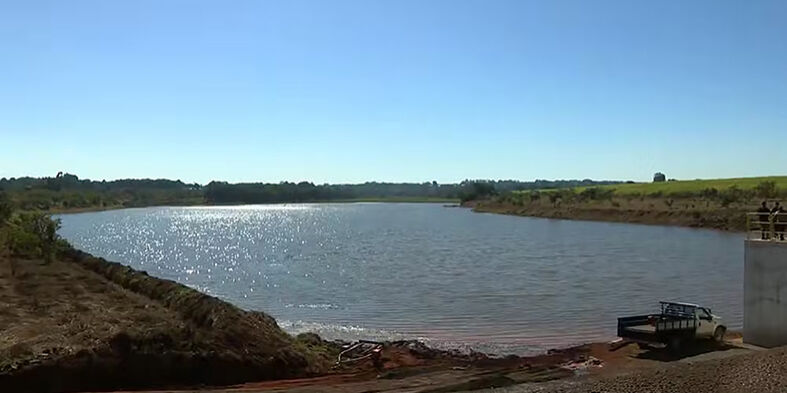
764, 371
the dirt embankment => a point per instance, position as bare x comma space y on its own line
694, 213
82, 323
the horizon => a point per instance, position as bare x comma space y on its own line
614, 181
406, 91
295, 182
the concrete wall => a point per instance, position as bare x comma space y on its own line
765, 293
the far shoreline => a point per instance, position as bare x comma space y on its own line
93, 209
611, 220
725, 220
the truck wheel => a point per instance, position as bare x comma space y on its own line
675, 344
718, 334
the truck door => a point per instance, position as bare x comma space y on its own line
705, 324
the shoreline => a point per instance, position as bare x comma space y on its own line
731, 219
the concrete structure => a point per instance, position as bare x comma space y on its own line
765, 293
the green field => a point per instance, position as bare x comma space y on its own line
692, 186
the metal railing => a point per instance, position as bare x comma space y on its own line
766, 226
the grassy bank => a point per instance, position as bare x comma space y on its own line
716, 203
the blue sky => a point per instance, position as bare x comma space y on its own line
353, 91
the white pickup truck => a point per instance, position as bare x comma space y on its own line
677, 324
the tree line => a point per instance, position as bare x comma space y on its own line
67, 191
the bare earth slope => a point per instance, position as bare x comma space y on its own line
83, 323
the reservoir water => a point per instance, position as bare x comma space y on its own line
449, 276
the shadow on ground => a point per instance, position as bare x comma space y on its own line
695, 349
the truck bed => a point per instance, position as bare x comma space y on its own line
655, 327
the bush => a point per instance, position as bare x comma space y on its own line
508, 197
477, 190
567, 194
766, 189
553, 197
596, 193
709, 193
22, 243
33, 234
733, 195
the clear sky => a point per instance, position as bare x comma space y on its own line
353, 91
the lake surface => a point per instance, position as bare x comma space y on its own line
446, 275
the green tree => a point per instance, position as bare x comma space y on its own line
732, 195
476, 190
33, 234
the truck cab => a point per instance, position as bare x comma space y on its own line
708, 324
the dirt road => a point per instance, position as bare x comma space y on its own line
726, 372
